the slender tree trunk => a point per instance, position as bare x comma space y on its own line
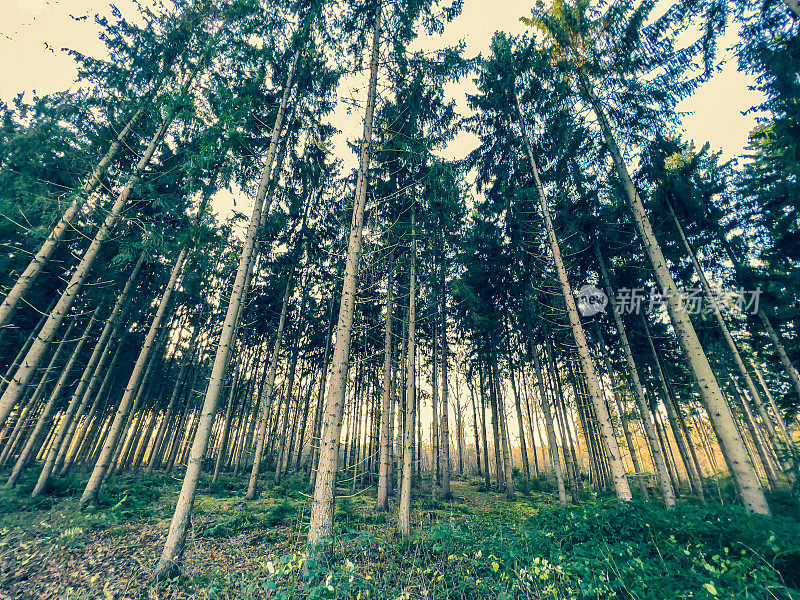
475, 427
435, 409
173, 547
526, 469
622, 416
524, 387
445, 434
497, 436
718, 410
321, 523
694, 478
223, 441
180, 381
90, 493
460, 432
266, 394
501, 414
570, 459
753, 430
382, 502
775, 410
616, 463
658, 459
315, 440
484, 438
31, 272
552, 442
404, 510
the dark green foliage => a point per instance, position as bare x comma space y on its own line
232, 525
600, 550
280, 514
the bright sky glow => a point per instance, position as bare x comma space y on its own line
32, 33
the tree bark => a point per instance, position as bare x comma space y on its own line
718, 410
90, 493
552, 440
404, 510
321, 524
614, 456
79, 275
31, 272
382, 502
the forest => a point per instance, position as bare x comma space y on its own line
560, 364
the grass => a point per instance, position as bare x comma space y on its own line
478, 546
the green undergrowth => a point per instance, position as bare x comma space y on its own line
477, 545
598, 550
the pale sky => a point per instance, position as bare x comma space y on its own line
32, 33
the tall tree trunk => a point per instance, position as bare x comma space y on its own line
763, 451
382, 502
622, 416
266, 395
773, 405
404, 509
570, 459
488, 383
529, 415
475, 427
694, 478
176, 390
31, 272
552, 440
497, 400
614, 456
321, 524
658, 459
435, 408
90, 492
173, 548
445, 433
315, 439
526, 468
718, 410
482, 389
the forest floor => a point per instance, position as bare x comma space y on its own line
479, 545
